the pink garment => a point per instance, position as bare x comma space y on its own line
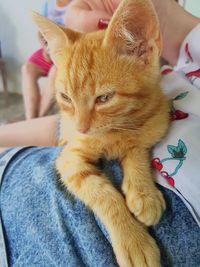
38, 59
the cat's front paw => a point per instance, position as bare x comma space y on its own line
147, 204
135, 248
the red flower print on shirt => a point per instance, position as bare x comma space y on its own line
187, 51
195, 73
177, 154
177, 114
166, 71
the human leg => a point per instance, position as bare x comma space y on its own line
35, 132
31, 92
38, 65
38, 218
47, 98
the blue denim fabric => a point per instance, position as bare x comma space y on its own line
45, 226
5, 158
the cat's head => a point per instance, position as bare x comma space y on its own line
107, 79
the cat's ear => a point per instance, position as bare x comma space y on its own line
134, 30
57, 37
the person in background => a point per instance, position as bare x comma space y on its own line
40, 65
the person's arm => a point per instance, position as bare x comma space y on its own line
35, 132
175, 22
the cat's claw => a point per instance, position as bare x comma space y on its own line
147, 205
136, 248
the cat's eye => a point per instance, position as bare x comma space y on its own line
66, 97
104, 98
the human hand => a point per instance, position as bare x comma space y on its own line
90, 15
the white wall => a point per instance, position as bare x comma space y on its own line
193, 6
18, 36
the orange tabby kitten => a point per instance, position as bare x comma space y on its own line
111, 106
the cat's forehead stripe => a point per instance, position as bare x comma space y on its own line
70, 69
79, 68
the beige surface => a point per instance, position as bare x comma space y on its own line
11, 108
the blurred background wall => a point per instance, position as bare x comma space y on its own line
18, 36
193, 6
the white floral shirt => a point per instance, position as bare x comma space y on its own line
177, 157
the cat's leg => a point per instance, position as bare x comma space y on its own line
142, 196
132, 245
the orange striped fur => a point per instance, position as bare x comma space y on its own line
111, 106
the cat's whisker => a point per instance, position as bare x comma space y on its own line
120, 128
116, 127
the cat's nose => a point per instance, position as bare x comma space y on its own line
83, 121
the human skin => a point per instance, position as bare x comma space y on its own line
36, 132
175, 22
